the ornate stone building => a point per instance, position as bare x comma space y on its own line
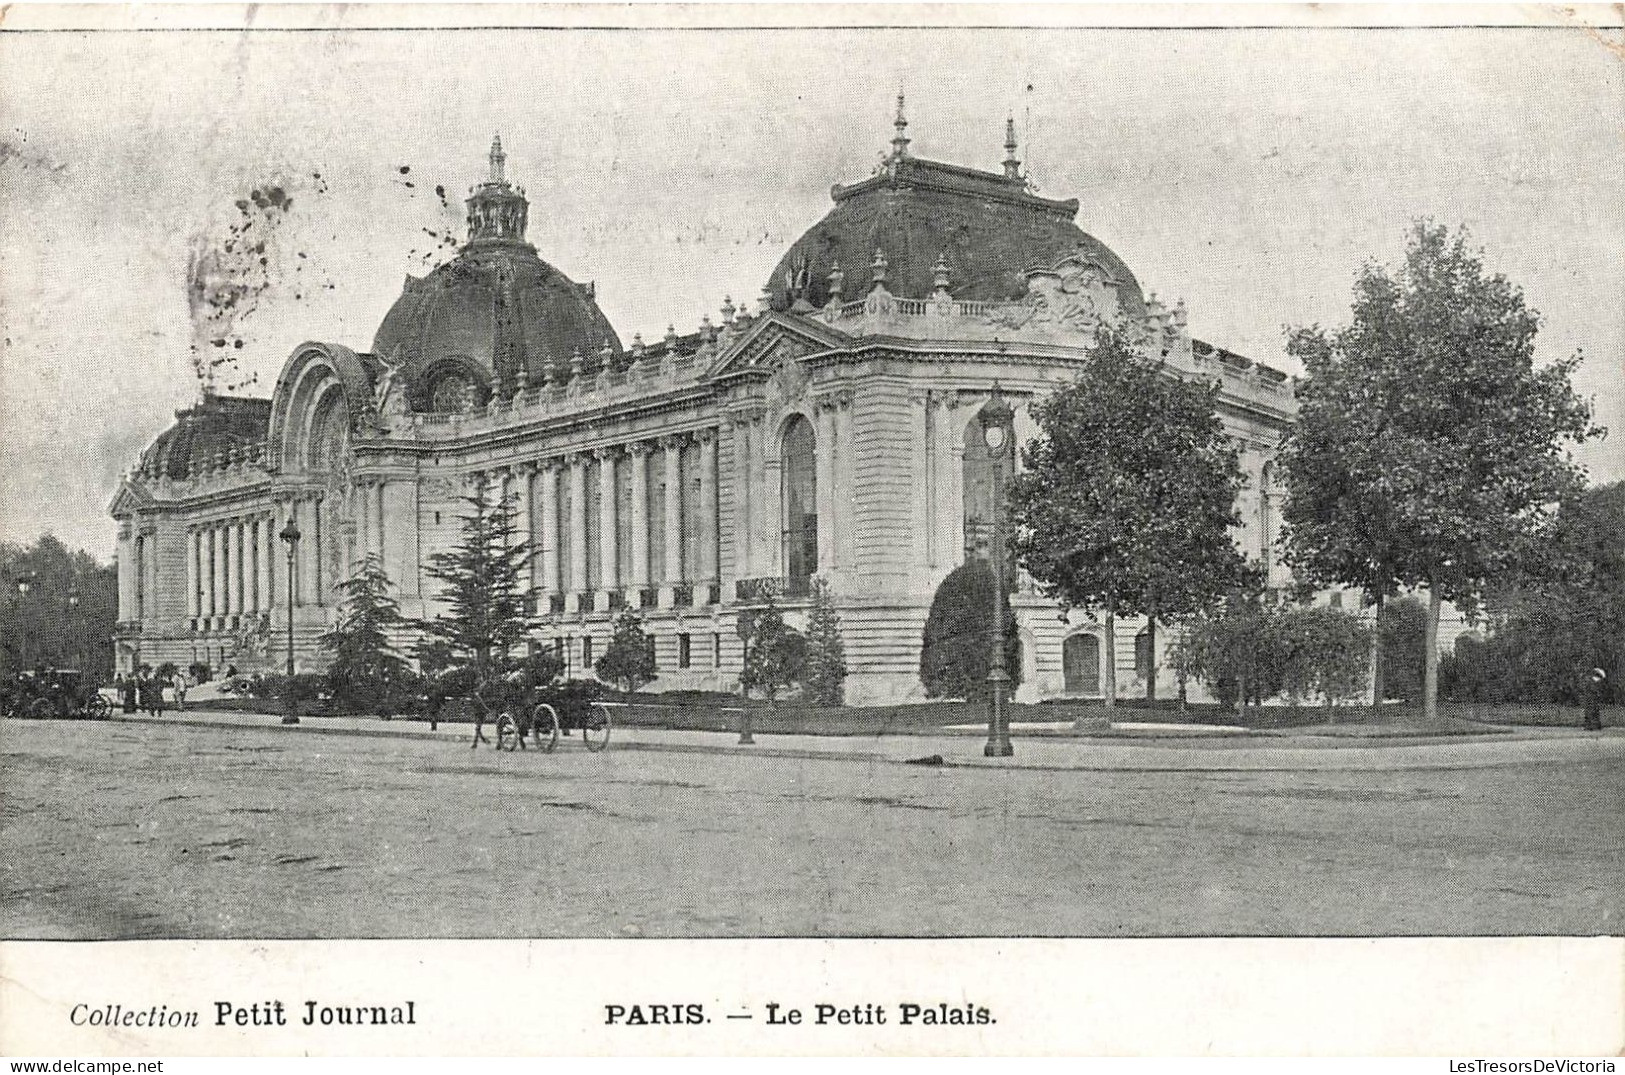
831, 432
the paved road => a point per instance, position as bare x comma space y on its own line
141, 831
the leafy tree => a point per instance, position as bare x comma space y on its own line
826, 652
956, 653
775, 653
367, 670
629, 659
1429, 450
44, 626
1129, 494
1553, 623
482, 586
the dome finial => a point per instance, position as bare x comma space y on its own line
899, 144
498, 158
1012, 166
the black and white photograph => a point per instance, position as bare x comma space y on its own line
726, 475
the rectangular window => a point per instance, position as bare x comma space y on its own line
586, 651
1337, 599
685, 650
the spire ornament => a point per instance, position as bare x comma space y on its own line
1012, 166
899, 143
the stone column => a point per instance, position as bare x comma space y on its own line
524, 476
608, 553
709, 532
375, 501
549, 495
234, 567
919, 462
673, 448
191, 574
262, 596
398, 503
363, 519
955, 488
824, 454
126, 571
578, 532
218, 603
743, 503
638, 460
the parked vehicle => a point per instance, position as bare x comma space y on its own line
54, 693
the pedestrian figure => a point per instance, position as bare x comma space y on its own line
127, 692
1596, 687
180, 691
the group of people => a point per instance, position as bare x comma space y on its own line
144, 689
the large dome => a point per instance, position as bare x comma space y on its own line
495, 309
987, 228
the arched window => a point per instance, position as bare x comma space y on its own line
1080, 664
800, 496
978, 482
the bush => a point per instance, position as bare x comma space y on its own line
775, 654
956, 652
167, 671
200, 671
1326, 653
307, 686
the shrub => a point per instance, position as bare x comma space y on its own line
956, 652
200, 671
775, 654
1326, 653
307, 686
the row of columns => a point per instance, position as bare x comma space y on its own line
229, 567
536, 487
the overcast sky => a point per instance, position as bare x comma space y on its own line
1249, 172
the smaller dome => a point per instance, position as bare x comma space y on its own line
216, 427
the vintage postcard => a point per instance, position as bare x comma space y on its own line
928, 530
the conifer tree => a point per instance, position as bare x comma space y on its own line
826, 652
629, 659
482, 585
366, 667
775, 653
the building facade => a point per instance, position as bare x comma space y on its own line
832, 432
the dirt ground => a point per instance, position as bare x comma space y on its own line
123, 831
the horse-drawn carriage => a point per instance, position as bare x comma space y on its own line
53, 693
522, 713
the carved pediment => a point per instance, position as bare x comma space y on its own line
773, 340
130, 498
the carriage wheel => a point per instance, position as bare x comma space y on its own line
42, 709
98, 708
545, 723
507, 732
595, 726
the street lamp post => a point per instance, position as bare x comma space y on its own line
998, 421
73, 625
290, 536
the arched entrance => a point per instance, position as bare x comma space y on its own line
800, 492
1080, 664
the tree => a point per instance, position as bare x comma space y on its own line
367, 669
826, 652
45, 626
956, 653
1429, 450
775, 653
481, 586
1129, 494
629, 659
1404, 625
